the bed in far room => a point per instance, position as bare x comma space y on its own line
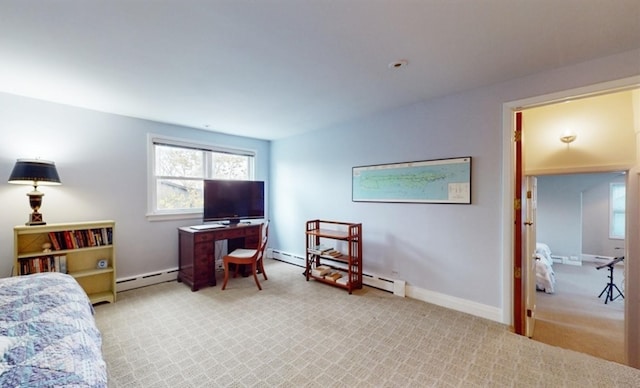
48, 335
545, 277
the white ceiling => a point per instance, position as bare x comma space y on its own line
274, 68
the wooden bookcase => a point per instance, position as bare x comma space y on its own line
337, 246
78, 246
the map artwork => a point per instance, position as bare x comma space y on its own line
428, 181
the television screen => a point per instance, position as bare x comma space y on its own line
233, 200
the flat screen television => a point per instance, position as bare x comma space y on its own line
232, 200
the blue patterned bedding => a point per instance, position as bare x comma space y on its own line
48, 336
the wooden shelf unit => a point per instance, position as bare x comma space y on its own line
348, 237
81, 259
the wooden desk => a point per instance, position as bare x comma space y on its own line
197, 254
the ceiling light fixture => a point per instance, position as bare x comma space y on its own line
568, 137
398, 64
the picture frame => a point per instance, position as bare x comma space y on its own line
443, 181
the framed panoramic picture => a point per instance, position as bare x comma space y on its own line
425, 181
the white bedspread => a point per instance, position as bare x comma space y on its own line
545, 277
48, 335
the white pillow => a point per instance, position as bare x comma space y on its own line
543, 251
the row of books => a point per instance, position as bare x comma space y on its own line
328, 273
43, 264
83, 238
324, 251
319, 249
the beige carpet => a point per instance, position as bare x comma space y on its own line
575, 318
296, 333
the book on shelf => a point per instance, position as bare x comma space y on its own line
97, 236
105, 236
61, 240
332, 253
319, 249
62, 264
81, 238
54, 241
38, 264
91, 241
67, 239
333, 276
320, 270
343, 280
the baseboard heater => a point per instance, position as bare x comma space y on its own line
395, 286
146, 279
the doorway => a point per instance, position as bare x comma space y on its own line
573, 220
632, 246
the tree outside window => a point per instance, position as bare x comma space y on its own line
179, 169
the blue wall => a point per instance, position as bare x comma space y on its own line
451, 251
102, 162
443, 251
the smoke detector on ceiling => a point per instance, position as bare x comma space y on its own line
398, 64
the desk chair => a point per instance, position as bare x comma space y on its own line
611, 285
251, 257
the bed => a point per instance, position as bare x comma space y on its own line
48, 335
545, 277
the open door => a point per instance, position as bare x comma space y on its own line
529, 255
518, 232
524, 241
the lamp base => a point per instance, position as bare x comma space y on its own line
35, 218
35, 201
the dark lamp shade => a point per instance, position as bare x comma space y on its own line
34, 172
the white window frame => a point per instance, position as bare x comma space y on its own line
613, 211
153, 214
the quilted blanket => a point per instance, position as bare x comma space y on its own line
48, 335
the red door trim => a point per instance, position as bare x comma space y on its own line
518, 295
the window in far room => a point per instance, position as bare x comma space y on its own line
176, 171
616, 210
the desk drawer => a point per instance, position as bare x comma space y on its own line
236, 233
203, 237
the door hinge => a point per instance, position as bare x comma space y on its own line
517, 136
517, 204
517, 272
529, 194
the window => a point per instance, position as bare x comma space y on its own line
616, 210
177, 168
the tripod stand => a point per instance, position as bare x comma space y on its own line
611, 285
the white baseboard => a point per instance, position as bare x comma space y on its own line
598, 259
286, 257
568, 260
457, 304
147, 279
573, 260
397, 287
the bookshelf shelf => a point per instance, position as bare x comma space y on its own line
61, 252
76, 249
90, 272
334, 247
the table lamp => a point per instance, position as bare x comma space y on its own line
35, 172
